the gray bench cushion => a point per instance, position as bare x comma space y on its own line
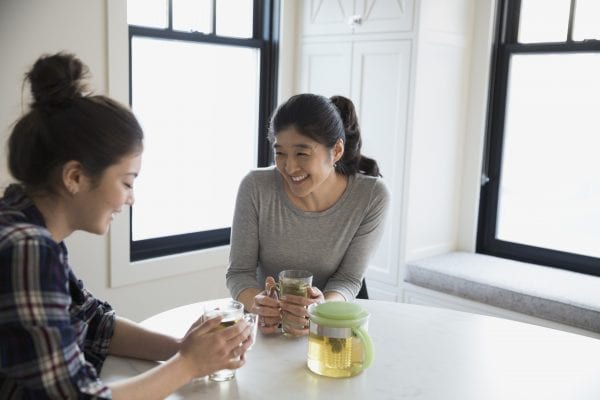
558, 295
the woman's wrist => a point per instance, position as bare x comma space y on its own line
334, 296
246, 297
185, 366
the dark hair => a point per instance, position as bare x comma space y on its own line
64, 124
326, 121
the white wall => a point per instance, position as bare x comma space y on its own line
29, 28
438, 127
452, 72
287, 51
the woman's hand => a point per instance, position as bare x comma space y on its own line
316, 295
206, 348
267, 307
295, 310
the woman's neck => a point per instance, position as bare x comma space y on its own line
322, 198
55, 216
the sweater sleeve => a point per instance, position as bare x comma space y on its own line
348, 277
243, 256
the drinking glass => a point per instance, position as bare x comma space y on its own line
252, 321
293, 282
231, 312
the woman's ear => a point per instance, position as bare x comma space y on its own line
338, 150
73, 176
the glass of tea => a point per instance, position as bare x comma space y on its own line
293, 282
231, 312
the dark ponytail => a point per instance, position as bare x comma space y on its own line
352, 159
65, 123
326, 121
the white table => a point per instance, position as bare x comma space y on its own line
420, 353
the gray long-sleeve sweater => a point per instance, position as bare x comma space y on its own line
269, 234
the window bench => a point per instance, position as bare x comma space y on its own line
511, 289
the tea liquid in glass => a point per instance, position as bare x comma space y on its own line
296, 287
226, 323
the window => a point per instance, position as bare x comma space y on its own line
202, 76
540, 197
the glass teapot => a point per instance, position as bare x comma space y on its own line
338, 343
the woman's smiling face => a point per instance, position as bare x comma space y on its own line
306, 166
96, 204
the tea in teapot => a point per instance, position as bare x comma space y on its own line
338, 342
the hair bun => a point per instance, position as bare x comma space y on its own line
57, 79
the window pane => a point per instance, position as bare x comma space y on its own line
200, 121
151, 13
587, 20
235, 18
544, 21
550, 181
192, 15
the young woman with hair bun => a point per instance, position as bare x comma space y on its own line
321, 209
75, 157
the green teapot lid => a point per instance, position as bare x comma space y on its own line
340, 310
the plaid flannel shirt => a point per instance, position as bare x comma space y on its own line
54, 335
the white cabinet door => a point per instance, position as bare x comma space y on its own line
323, 17
326, 68
380, 89
384, 15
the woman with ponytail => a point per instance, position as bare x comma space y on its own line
75, 157
321, 209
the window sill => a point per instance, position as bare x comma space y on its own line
124, 272
552, 294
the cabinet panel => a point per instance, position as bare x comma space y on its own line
325, 68
384, 15
325, 17
380, 89
321, 17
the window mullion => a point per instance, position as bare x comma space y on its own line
170, 11
571, 19
562, 47
257, 32
193, 37
511, 21
214, 17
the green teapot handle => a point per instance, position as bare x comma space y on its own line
367, 344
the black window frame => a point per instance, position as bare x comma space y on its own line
265, 37
505, 45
